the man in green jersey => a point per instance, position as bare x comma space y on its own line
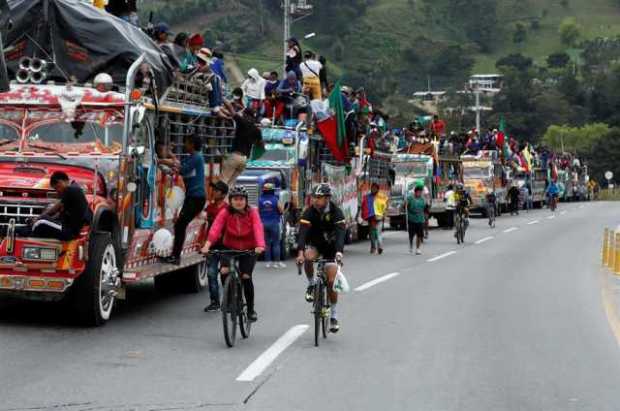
416, 207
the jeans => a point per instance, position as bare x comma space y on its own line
272, 241
212, 275
233, 166
376, 229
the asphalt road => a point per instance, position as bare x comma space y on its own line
513, 320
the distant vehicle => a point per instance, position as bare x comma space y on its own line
483, 172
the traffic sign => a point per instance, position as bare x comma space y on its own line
609, 175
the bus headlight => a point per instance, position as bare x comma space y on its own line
39, 254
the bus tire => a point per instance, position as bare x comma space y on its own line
95, 290
194, 279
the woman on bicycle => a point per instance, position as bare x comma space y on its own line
240, 228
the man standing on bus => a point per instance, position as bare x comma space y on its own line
193, 173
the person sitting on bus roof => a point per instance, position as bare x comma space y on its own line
289, 87
65, 219
189, 60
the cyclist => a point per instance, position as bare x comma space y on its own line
322, 233
491, 205
240, 228
553, 192
463, 202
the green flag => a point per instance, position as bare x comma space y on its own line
502, 124
335, 104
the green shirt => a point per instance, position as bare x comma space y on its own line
415, 209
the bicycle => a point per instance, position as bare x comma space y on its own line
459, 224
234, 307
320, 305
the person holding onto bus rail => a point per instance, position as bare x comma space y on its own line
192, 169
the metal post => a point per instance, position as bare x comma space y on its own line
287, 31
477, 109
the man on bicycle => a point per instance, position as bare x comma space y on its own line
463, 202
322, 233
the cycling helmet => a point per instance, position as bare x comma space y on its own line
238, 191
269, 187
322, 190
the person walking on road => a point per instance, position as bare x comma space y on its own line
373, 210
271, 212
220, 191
193, 173
416, 218
514, 194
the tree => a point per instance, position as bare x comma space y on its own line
604, 154
517, 61
520, 33
579, 140
558, 60
570, 31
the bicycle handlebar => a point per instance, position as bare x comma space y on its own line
232, 253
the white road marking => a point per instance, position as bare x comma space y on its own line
439, 257
484, 240
533, 222
551, 217
376, 281
265, 359
511, 229
562, 212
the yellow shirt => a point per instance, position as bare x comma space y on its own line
380, 204
100, 4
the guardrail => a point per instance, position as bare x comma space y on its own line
611, 250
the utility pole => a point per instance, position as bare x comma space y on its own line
477, 93
287, 31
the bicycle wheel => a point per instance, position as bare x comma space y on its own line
324, 312
230, 311
318, 309
244, 323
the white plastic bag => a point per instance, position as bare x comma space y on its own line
341, 285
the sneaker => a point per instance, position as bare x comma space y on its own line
333, 325
372, 251
268, 265
380, 250
418, 252
213, 307
310, 294
280, 265
252, 316
171, 260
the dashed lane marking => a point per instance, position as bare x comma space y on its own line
439, 257
533, 222
563, 212
376, 281
511, 229
265, 359
551, 217
484, 240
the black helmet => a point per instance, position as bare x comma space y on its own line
322, 190
220, 186
238, 191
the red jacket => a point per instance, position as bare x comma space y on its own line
241, 231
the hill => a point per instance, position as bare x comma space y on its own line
393, 46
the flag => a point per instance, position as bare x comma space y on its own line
335, 104
333, 128
501, 136
528, 157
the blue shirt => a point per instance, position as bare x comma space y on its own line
193, 172
268, 209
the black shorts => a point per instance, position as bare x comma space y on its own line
246, 263
325, 251
417, 229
